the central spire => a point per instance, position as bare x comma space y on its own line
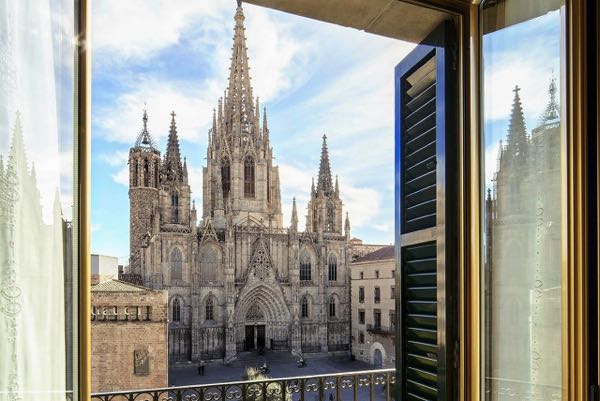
324, 182
239, 105
172, 165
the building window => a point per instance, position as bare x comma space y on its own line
176, 262
362, 275
304, 307
392, 320
524, 201
305, 268
225, 177
376, 319
208, 264
148, 312
136, 172
361, 316
249, 177
332, 307
361, 338
146, 174
174, 207
377, 294
361, 295
176, 310
210, 309
330, 217
332, 268
376, 273
393, 292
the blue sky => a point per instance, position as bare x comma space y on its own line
314, 78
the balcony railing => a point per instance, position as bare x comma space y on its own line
381, 329
371, 385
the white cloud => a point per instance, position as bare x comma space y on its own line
530, 74
140, 28
362, 204
121, 120
118, 158
195, 181
122, 176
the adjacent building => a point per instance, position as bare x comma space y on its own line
129, 337
104, 268
374, 307
358, 249
239, 280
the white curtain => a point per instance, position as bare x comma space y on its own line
35, 197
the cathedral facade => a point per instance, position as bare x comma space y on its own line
238, 279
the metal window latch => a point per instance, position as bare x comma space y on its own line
594, 392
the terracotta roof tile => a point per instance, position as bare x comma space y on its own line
385, 253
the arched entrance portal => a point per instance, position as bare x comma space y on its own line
378, 359
262, 320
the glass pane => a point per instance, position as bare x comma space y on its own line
523, 128
37, 270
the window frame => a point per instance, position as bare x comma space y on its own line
575, 304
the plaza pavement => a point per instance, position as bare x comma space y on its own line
281, 364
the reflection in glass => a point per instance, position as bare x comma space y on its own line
36, 201
523, 200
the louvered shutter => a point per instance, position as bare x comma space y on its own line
426, 143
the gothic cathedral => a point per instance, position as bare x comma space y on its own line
239, 280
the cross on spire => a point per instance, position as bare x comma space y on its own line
172, 165
517, 132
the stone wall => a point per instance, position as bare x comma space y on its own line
134, 333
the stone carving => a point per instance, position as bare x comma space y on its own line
254, 314
141, 362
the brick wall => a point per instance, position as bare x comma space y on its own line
118, 339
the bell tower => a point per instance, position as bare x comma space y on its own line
325, 205
144, 179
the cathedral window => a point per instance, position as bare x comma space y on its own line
176, 313
249, 177
304, 307
208, 265
332, 268
176, 264
330, 217
210, 309
332, 307
156, 178
146, 174
136, 173
226, 177
174, 208
305, 268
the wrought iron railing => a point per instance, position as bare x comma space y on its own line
371, 385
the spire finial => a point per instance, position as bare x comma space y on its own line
239, 3
144, 137
517, 132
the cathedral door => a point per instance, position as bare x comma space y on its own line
260, 336
249, 337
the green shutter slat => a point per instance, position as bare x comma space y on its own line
419, 321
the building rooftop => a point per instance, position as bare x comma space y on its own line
118, 286
385, 253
